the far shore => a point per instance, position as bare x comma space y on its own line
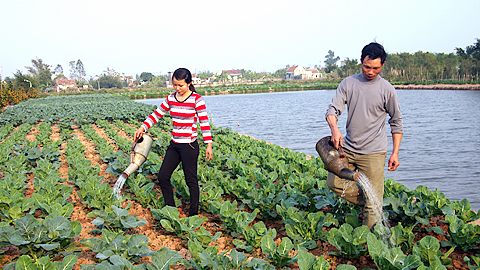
439, 86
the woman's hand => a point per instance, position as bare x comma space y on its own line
138, 133
209, 152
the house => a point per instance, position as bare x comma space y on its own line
313, 73
299, 73
65, 85
234, 74
196, 80
295, 73
127, 80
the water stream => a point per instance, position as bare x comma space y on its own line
377, 206
117, 189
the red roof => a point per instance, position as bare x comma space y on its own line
291, 69
233, 72
65, 82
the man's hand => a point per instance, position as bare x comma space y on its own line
337, 137
393, 162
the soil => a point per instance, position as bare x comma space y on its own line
159, 237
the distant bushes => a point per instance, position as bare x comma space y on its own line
10, 95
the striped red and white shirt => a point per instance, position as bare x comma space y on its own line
184, 115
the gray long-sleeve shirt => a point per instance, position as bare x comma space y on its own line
368, 103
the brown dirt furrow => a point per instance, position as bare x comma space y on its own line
31, 137
123, 134
79, 210
91, 153
102, 134
157, 239
103, 166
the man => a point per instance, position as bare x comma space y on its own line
369, 98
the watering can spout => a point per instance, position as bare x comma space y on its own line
335, 160
139, 154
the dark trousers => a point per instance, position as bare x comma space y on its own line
187, 153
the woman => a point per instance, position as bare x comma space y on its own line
186, 108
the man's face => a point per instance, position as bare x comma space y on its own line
371, 67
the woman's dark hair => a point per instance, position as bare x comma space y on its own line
374, 51
184, 74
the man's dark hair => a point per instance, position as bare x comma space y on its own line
374, 51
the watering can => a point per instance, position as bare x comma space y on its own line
138, 155
335, 160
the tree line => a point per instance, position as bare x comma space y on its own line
461, 66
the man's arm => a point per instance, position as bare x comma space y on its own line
393, 162
337, 137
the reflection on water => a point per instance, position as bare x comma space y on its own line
440, 146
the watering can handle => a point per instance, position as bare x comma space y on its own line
340, 149
135, 143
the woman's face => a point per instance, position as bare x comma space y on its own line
181, 86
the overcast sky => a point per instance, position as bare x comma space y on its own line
159, 36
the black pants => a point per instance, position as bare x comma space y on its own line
187, 153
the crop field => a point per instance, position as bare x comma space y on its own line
261, 206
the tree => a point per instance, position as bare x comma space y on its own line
41, 72
58, 70
280, 73
106, 81
224, 76
77, 70
146, 76
470, 63
204, 75
474, 50
350, 67
80, 70
110, 71
24, 81
73, 69
331, 61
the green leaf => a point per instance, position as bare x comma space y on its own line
268, 245
25, 263
167, 225
305, 259
238, 258
17, 239
345, 267
27, 224
285, 246
164, 258
427, 249
68, 262
48, 247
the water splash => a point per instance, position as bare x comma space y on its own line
118, 186
346, 186
378, 213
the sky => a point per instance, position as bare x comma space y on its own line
132, 37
